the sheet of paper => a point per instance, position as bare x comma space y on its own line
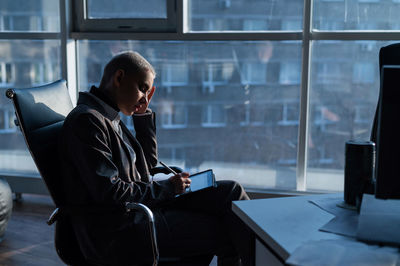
345, 225
345, 220
379, 221
343, 252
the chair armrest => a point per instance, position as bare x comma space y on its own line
163, 170
53, 216
150, 217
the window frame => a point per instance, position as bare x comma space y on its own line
83, 23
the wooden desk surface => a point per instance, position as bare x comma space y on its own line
285, 223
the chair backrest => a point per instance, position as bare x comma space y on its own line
41, 112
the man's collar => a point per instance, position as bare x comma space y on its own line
102, 107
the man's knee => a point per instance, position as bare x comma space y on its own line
235, 189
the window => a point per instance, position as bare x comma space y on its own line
289, 73
127, 9
44, 72
359, 15
30, 55
261, 114
176, 74
127, 15
173, 115
35, 16
254, 73
292, 24
240, 89
329, 73
7, 74
216, 74
363, 114
363, 73
214, 115
254, 24
290, 114
7, 121
258, 15
172, 154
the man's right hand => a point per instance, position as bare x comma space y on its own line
181, 182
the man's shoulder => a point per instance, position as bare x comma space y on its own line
83, 112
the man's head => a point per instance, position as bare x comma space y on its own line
128, 78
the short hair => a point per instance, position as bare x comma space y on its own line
130, 62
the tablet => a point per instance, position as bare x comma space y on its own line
201, 180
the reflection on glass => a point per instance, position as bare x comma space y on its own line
343, 97
98, 9
356, 15
219, 105
244, 15
32, 16
23, 63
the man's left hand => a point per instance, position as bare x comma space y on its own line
144, 106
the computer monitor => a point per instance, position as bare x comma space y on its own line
387, 126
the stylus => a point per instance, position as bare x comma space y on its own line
168, 168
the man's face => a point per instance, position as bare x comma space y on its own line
132, 91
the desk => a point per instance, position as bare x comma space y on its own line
283, 224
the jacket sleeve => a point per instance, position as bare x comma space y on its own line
89, 151
145, 127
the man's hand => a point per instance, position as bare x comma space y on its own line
181, 182
149, 95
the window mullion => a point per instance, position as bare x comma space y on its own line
304, 99
68, 52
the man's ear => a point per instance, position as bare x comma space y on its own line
118, 76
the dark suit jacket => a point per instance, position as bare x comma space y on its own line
100, 176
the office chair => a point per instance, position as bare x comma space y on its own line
40, 113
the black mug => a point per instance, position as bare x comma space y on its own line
359, 171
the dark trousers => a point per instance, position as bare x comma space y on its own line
202, 223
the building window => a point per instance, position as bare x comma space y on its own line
363, 114
328, 72
214, 115
290, 114
331, 25
292, 24
363, 73
324, 116
7, 74
255, 24
174, 155
216, 74
290, 73
44, 72
173, 115
7, 121
254, 73
176, 74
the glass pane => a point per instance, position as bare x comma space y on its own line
343, 97
245, 15
356, 15
98, 9
239, 118
18, 68
32, 16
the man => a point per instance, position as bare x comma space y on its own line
104, 166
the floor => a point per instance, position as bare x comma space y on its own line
28, 239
